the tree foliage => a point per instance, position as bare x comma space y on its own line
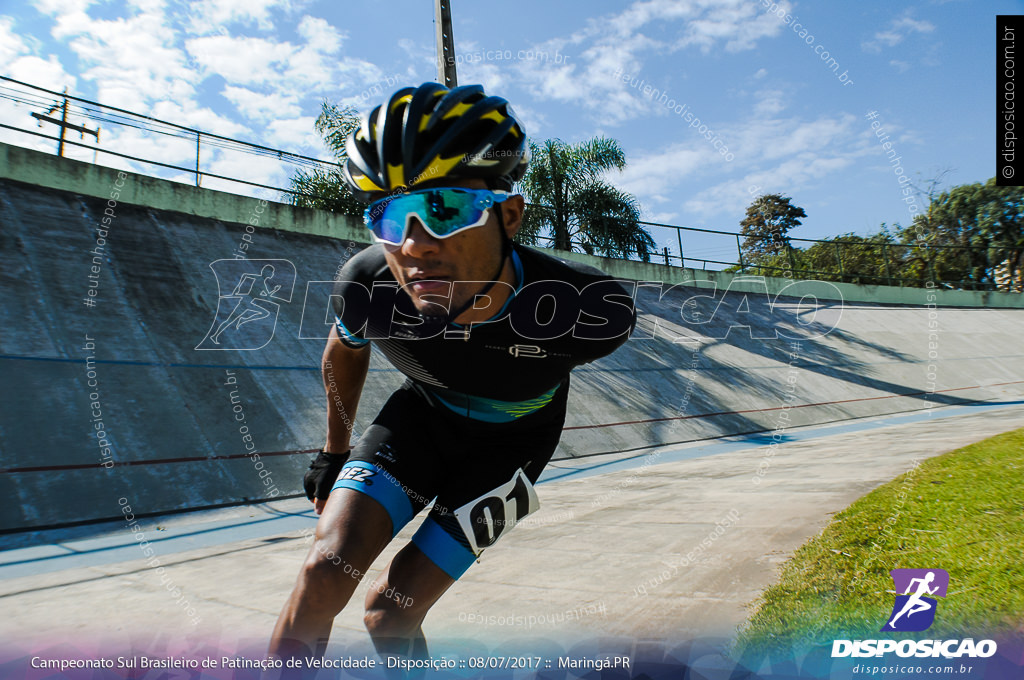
965, 237
868, 260
571, 201
768, 221
967, 232
325, 189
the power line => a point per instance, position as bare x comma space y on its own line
266, 150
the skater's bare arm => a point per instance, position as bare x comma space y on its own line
344, 372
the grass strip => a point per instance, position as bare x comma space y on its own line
962, 511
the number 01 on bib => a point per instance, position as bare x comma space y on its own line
487, 518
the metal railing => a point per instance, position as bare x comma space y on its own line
717, 248
942, 265
188, 146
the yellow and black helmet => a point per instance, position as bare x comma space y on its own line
432, 133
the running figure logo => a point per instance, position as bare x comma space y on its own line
914, 611
247, 316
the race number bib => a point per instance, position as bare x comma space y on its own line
487, 518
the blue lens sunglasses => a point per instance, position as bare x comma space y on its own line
443, 212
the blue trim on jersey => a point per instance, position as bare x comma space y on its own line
381, 487
348, 336
437, 544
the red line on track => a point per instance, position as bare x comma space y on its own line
158, 461
197, 459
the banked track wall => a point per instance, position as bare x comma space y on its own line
714, 355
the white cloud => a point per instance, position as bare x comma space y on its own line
201, 118
897, 31
662, 217
210, 16
773, 155
69, 15
262, 170
11, 44
737, 24
48, 73
883, 39
55, 7
134, 58
764, 139
295, 134
19, 60
241, 60
912, 25
262, 106
649, 176
599, 77
534, 121
312, 68
173, 150
490, 75
153, 57
787, 177
769, 102
319, 65
320, 36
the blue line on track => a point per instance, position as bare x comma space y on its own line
118, 544
587, 467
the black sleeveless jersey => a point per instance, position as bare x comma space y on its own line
561, 315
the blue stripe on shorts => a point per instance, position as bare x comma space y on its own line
451, 556
380, 486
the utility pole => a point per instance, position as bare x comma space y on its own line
445, 43
64, 124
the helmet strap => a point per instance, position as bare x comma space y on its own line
506, 249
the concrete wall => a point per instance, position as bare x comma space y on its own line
47, 170
703, 363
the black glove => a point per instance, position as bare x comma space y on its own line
323, 472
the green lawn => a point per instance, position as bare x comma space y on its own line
962, 512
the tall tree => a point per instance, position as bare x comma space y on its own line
967, 232
1001, 223
769, 218
325, 189
571, 200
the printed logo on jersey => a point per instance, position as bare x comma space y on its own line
356, 474
246, 317
914, 611
528, 351
520, 351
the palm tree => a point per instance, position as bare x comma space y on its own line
325, 189
570, 200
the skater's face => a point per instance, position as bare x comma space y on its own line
427, 266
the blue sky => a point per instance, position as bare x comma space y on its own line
791, 123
